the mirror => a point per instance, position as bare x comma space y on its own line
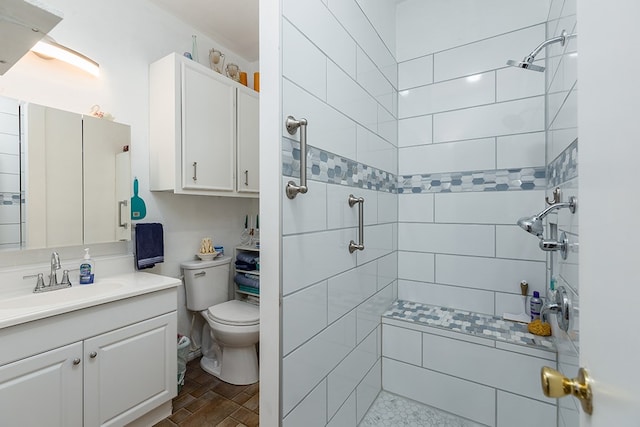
64, 178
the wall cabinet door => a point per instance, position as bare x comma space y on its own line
130, 371
248, 142
43, 390
106, 181
54, 178
208, 130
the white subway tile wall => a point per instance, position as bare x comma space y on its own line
484, 117
10, 197
343, 82
562, 171
461, 113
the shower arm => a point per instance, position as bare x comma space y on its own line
571, 204
562, 39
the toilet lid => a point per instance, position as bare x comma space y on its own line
235, 313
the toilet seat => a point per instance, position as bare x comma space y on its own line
234, 313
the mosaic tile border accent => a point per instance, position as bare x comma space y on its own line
10, 199
489, 180
327, 167
466, 322
334, 169
564, 167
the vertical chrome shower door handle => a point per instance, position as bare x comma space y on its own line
353, 246
292, 125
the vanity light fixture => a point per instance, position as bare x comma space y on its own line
48, 48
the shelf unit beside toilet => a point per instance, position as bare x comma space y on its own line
245, 249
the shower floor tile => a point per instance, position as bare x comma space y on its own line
390, 410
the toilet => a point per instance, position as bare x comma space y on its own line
232, 328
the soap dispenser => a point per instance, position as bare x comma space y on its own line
87, 269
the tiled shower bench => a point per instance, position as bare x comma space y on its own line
476, 366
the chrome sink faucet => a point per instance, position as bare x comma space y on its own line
55, 266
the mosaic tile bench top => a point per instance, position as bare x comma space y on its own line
466, 322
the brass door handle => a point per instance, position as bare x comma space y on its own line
554, 384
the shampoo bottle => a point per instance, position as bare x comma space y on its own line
536, 305
87, 269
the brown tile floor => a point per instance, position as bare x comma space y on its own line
207, 401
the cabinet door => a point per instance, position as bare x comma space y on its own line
248, 142
54, 177
208, 130
103, 142
43, 390
130, 371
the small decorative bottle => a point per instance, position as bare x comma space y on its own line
194, 48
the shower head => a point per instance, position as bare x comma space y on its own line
527, 62
531, 224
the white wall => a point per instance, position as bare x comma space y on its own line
471, 124
339, 74
124, 38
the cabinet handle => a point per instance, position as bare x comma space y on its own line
246, 178
353, 246
93, 354
76, 361
292, 125
195, 171
121, 203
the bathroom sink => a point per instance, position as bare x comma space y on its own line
60, 296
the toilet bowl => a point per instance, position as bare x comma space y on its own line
235, 327
231, 329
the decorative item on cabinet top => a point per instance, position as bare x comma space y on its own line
204, 131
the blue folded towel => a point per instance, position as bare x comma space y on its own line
242, 279
245, 266
246, 257
149, 245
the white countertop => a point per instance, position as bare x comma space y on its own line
15, 310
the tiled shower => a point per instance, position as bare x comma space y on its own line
412, 107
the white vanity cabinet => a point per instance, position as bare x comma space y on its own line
203, 130
106, 365
43, 390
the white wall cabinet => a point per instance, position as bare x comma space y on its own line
203, 131
110, 377
77, 185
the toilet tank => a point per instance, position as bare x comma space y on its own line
206, 282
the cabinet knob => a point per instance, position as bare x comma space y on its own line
76, 361
93, 354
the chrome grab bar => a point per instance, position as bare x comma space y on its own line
353, 246
122, 203
292, 125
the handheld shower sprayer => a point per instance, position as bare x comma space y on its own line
533, 225
527, 62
